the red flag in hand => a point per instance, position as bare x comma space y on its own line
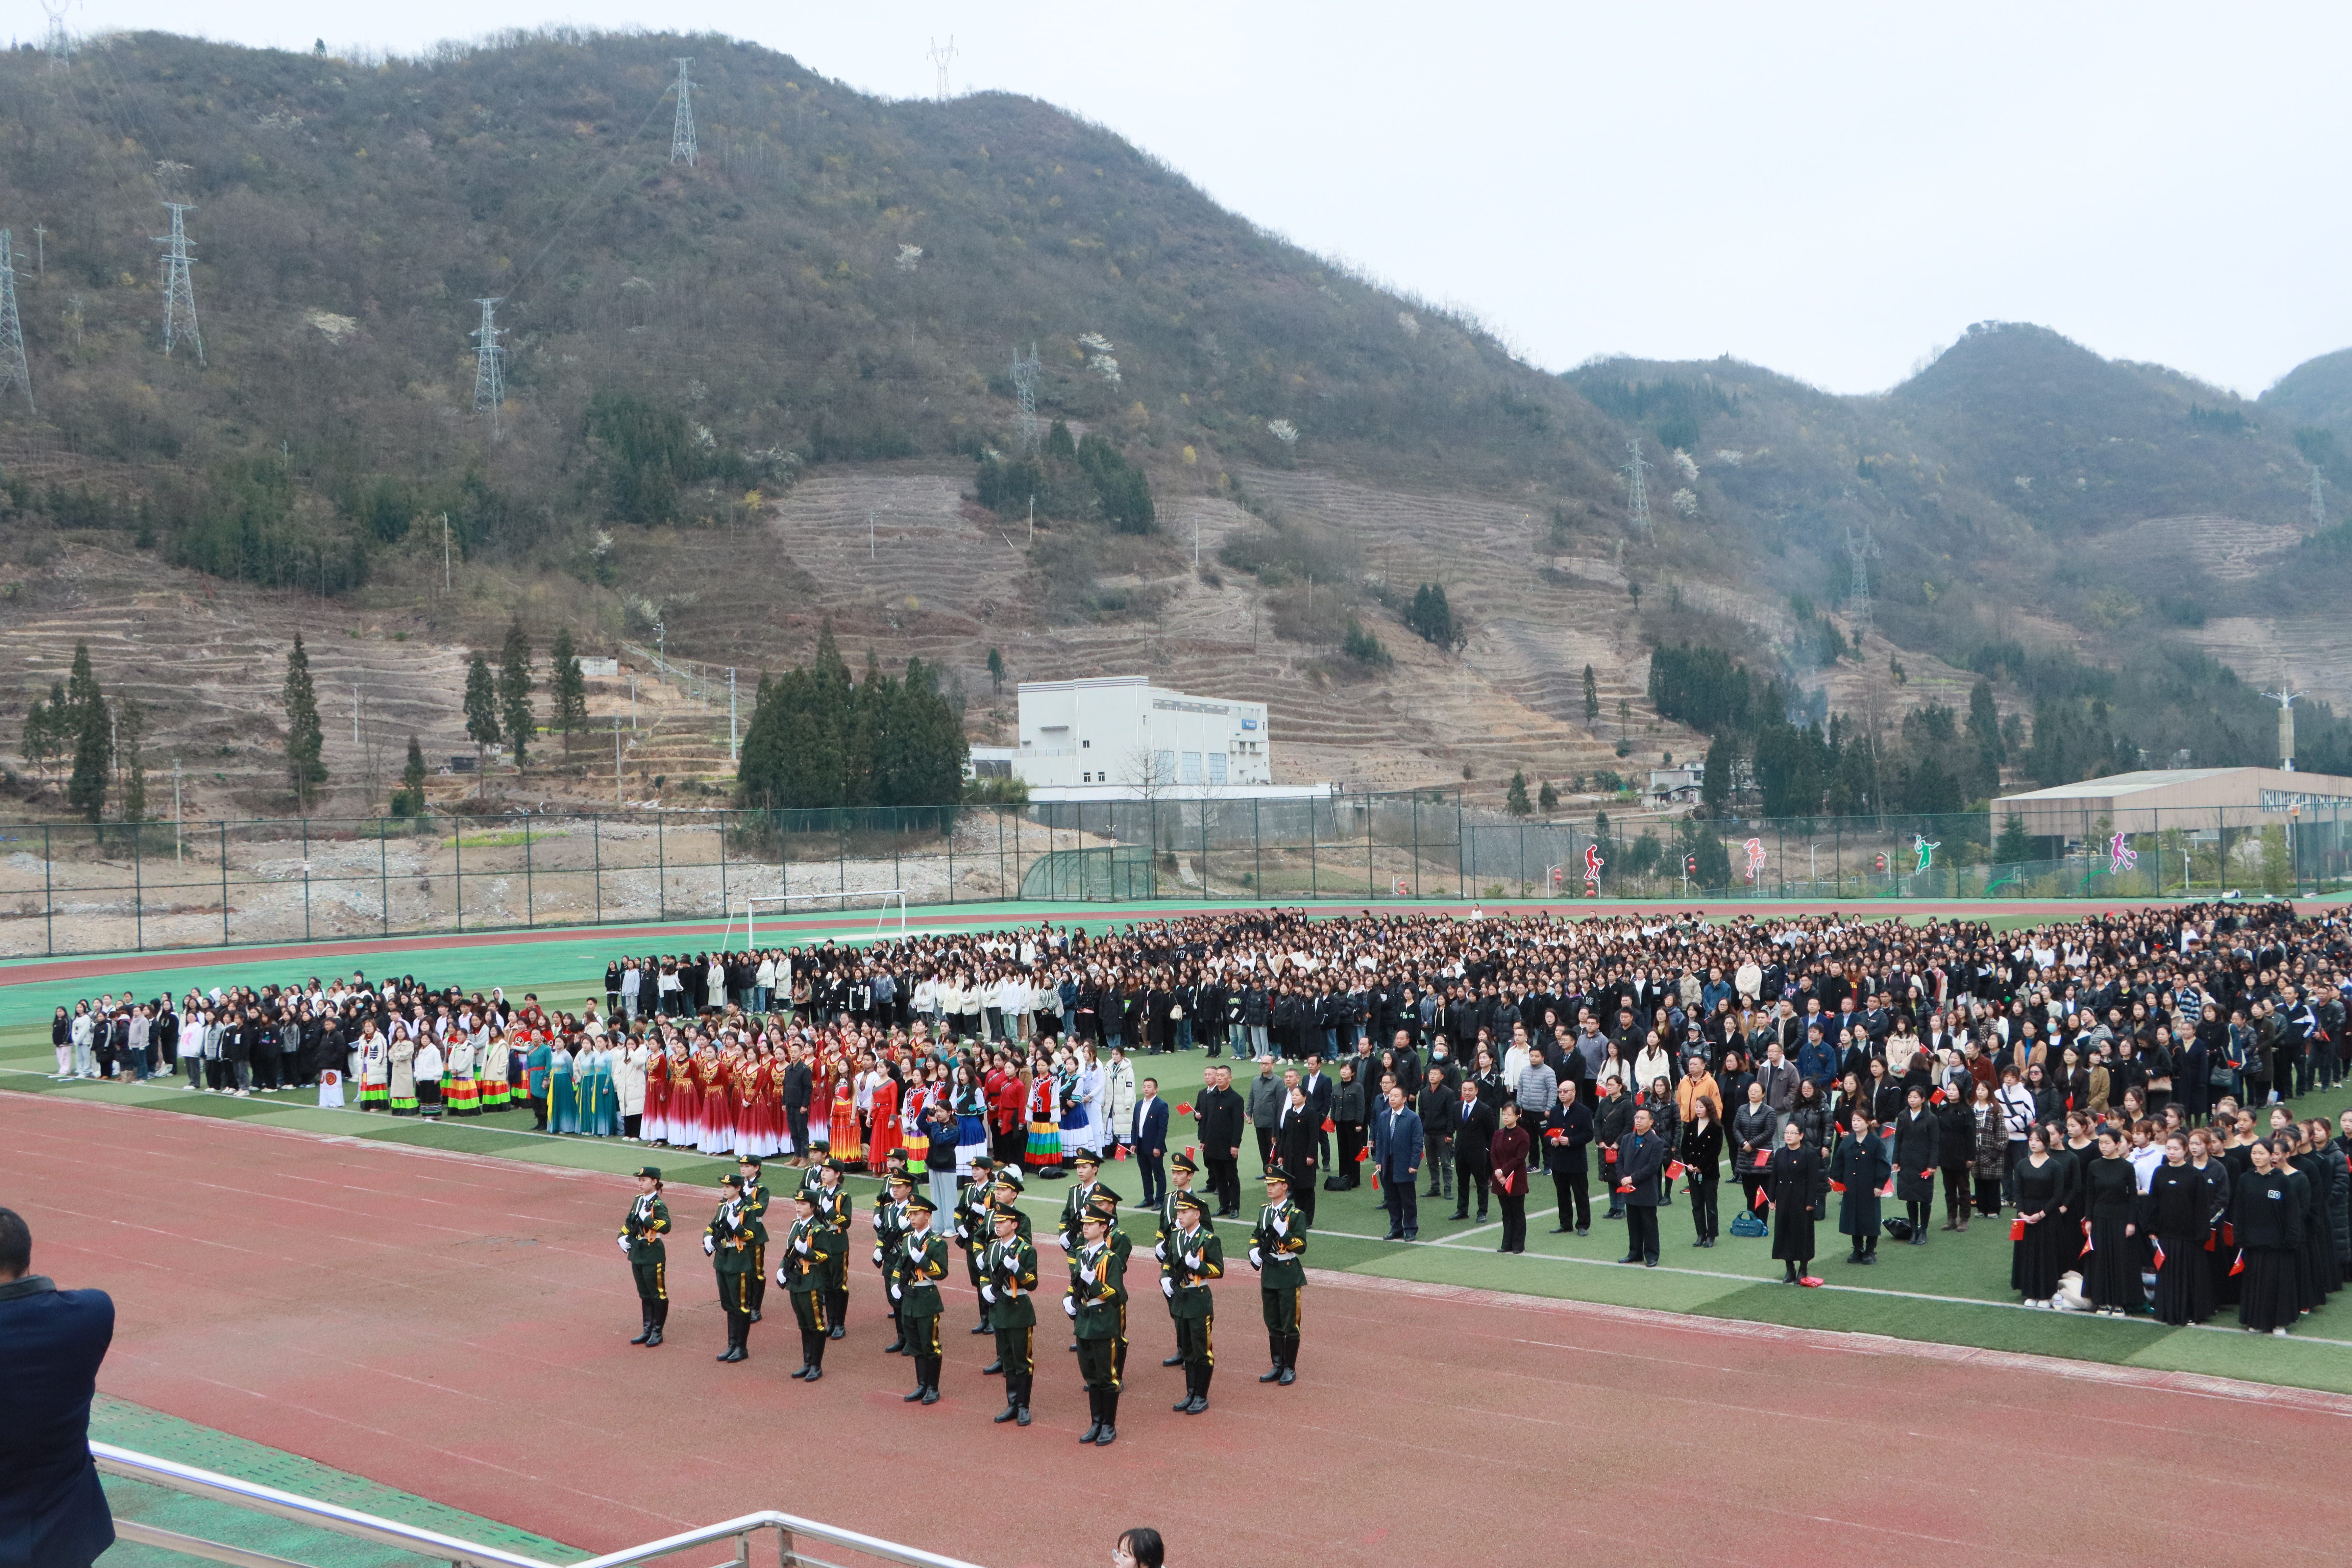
1937, 1098
1328, 1126
2240, 1266
1183, 1108
1675, 1169
2017, 1230
1837, 1186
1118, 1152
2159, 1255
1763, 1159
1763, 1199
1362, 1156
1188, 1150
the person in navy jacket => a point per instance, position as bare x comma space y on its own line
1641, 1158
1396, 1156
52, 1511
1148, 1132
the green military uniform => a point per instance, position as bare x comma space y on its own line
1194, 1257
920, 1263
1184, 1168
1011, 1278
732, 1240
833, 1207
812, 1247
641, 1240
756, 1198
1097, 1303
1277, 1243
973, 1234
1078, 1200
889, 1233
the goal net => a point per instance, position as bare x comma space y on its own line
888, 904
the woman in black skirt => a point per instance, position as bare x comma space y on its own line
1858, 1170
2173, 1211
2315, 1262
2269, 1221
2038, 1230
2220, 1238
1793, 1185
2110, 1262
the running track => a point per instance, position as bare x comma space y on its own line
455, 1327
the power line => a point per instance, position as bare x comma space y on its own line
13, 371
1860, 548
681, 136
179, 291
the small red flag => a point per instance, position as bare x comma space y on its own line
2240, 1266
2159, 1255
1837, 1186
1763, 1159
1118, 1152
1362, 1156
2229, 1235
1937, 1098
2209, 1241
2017, 1230
1675, 1169
1376, 1178
1183, 1108
1327, 1125
1188, 1150
1888, 1191
1763, 1199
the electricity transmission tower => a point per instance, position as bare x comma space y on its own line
1861, 547
178, 292
56, 41
11, 336
2318, 506
1024, 394
2285, 697
489, 385
939, 58
1637, 491
681, 136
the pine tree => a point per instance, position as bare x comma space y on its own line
2014, 846
305, 768
569, 686
1592, 696
47, 729
514, 691
408, 800
996, 671
1515, 799
1715, 783
481, 712
1547, 798
93, 757
133, 744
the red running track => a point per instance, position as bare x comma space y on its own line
455, 1327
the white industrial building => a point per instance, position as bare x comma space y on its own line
1119, 737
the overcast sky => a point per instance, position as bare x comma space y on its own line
1833, 191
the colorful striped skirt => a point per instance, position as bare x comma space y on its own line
1044, 1145
461, 1095
375, 1096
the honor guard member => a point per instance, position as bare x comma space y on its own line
1181, 1170
642, 1245
833, 1206
1194, 1257
1079, 1199
756, 1198
1106, 1204
806, 1275
1007, 1189
920, 1263
889, 1231
1012, 1279
971, 1227
1097, 1303
730, 1241
1277, 1242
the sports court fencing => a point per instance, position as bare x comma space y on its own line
106, 888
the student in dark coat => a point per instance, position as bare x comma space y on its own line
1791, 1185
1917, 1155
1860, 1169
1566, 1130
1641, 1162
2172, 1211
1956, 1144
1473, 1136
2269, 1225
52, 1511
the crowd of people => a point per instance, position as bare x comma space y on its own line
2121, 1086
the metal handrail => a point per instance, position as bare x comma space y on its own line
187, 1479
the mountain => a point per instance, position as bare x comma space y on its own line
772, 387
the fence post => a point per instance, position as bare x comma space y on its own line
458, 853
723, 906
1461, 848
1416, 844
383, 876
1257, 845
596, 852
661, 870
306, 879
1368, 843
1314, 871
841, 856
1837, 863
952, 827
139, 894
223, 855
1000, 852
49, 890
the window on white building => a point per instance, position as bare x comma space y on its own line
1192, 774
1163, 767
1216, 767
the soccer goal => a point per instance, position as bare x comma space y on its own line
887, 903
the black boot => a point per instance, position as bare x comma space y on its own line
992, 1368
1109, 1433
1200, 1394
1093, 1409
1289, 1361
1191, 1390
1274, 1354
816, 1359
654, 1338
1027, 1380
808, 1356
645, 1334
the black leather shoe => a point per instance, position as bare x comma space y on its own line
1106, 1436
1022, 1419
816, 1373
1288, 1377
803, 1373
890, 1350
1394, 1236
1583, 1230
839, 1333
642, 1335
1194, 1406
1173, 1360
1091, 1433
755, 1314
920, 1389
991, 1368
1271, 1374
1629, 1257
1007, 1414
983, 1329
1182, 1407
1460, 1214
931, 1396
656, 1338
1559, 1230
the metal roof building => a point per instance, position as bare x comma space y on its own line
2192, 799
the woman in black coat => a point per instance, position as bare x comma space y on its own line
2111, 1200
1917, 1155
1956, 1149
2038, 1232
1857, 1170
2268, 1218
1754, 1129
1702, 1153
2316, 1273
1793, 1184
2173, 1212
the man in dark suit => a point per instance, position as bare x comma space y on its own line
1222, 1117
1148, 1132
1396, 1158
1319, 1089
1641, 1160
52, 1511
1473, 1139
1293, 1150
796, 1088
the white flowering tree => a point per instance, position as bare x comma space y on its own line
1284, 431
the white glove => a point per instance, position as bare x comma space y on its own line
1062, 1242
1168, 1287
623, 1241
893, 1292
987, 1292
710, 1247
801, 1246
1256, 1261
1070, 1305
1086, 1275
1160, 1251
1193, 1260
878, 1257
